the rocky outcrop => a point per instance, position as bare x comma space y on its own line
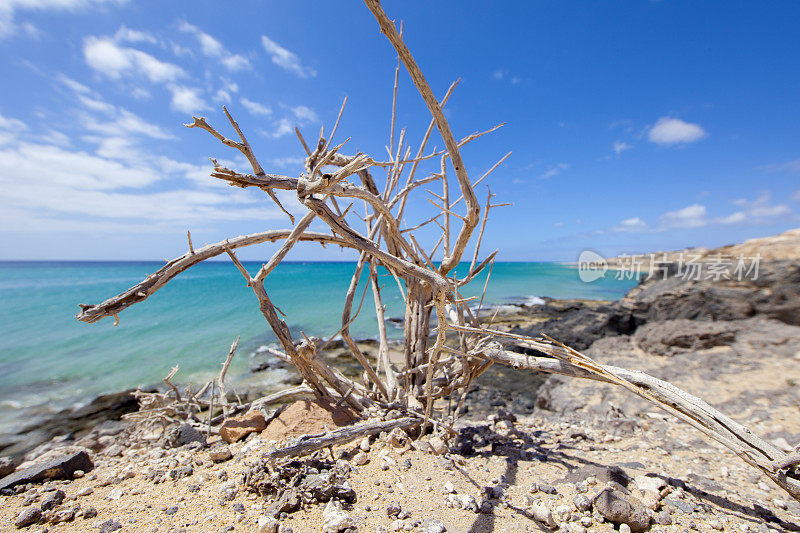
63, 467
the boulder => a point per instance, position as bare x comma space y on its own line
305, 417
237, 427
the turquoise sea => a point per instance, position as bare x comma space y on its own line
49, 360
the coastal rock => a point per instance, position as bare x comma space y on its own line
60, 468
619, 508
307, 417
672, 337
238, 427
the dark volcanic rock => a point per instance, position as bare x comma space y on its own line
104, 407
671, 337
59, 468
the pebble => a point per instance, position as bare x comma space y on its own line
582, 502
360, 459
115, 494
449, 488
28, 516
84, 491
53, 500
542, 513
364, 444
220, 453
716, 524
433, 526
110, 525
267, 524
393, 509
780, 503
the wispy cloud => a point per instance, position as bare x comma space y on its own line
211, 47
9, 8
669, 131
621, 146
553, 171
255, 108
788, 166
286, 59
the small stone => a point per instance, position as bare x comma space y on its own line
88, 512
181, 472
652, 483
28, 516
575, 527
624, 528
220, 453
78, 474
55, 499
110, 525
335, 518
438, 446
780, 503
115, 450
542, 513
448, 488
663, 518
716, 524
582, 502
64, 515
547, 489
364, 444
619, 508
360, 459
267, 524
172, 510
563, 513
393, 509
433, 526
84, 491
115, 494
187, 434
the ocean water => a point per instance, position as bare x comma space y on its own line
49, 360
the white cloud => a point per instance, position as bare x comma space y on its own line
286, 59
305, 114
552, 171
282, 127
128, 35
762, 208
796, 196
668, 131
630, 224
107, 57
693, 216
186, 99
211, 47
558, 224
498, 74
621, 146
255, 108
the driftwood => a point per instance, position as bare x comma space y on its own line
437, 361
308, 444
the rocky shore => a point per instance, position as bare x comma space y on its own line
533, 452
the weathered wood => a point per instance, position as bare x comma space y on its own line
310, 443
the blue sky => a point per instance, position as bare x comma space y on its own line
635, 126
